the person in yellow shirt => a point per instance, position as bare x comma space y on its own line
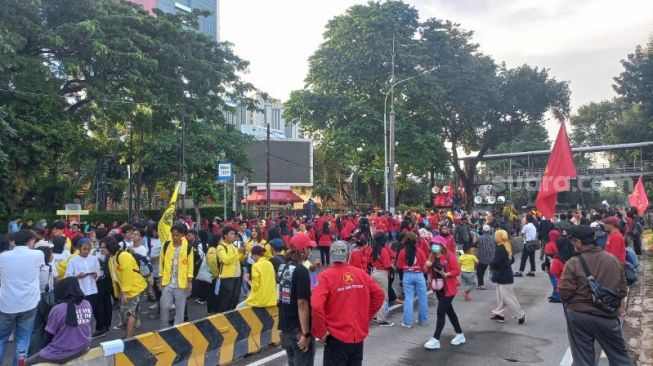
228, 262
128, 284
468, 262
263, 283
176, 274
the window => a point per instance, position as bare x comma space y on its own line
276, 118
183, 7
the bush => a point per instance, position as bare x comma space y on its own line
108, 217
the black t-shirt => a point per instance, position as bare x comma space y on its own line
296, 280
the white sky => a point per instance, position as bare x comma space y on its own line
580, 41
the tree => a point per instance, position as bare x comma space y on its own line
627, 118
343, 101
476, 105
96, 81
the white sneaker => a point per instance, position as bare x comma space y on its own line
409, 326
458, 339
432, 343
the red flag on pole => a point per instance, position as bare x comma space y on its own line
638, 198
559, 169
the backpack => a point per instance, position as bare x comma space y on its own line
144, 266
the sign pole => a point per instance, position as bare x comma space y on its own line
224, 205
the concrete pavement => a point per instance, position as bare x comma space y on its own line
542, 340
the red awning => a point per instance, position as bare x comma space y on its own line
276, 195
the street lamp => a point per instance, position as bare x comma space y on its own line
389, 169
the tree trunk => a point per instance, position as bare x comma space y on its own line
375, 193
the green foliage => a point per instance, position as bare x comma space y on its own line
464, 98
86, 81
627, 118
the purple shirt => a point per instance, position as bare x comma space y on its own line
67, 340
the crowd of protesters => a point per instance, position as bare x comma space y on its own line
57, 280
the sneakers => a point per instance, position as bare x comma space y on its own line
498, 319
481, 288
432, 343
200, 301
458, 339
118, 327
386, 323
423, 324
518, 274
530, 274
409, 326
522, 320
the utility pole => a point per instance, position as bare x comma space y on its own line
183, 162
391, 144
267, 172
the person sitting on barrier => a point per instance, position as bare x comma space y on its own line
69, 323
263, 283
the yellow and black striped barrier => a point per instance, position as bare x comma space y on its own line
216, 340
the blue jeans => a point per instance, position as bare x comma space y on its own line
554, 285
24, 324
414, 283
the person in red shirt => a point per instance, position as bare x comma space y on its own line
324, 243
551, 251
360, 257
444, 266
449, 243
411, 262
343, 302
616, 244
347, 228
381, 263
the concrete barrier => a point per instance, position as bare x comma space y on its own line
215, 340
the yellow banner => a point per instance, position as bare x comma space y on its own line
168, 218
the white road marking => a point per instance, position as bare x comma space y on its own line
567, 360
263, 361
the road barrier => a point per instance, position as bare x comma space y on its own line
215, 340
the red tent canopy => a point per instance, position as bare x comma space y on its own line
276, 195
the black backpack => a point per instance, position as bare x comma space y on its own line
144, 266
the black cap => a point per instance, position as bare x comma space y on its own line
582, 232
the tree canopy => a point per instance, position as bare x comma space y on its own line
85, 82
462, 97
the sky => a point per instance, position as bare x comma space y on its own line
580, 41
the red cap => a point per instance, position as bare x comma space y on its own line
301, 241
611, 220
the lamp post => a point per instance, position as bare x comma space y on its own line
389, 150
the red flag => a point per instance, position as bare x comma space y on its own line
638, 197
452, 192
559, 169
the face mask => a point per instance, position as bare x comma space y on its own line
436, 248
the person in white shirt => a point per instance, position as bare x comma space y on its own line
138, 247
20, 293
86, 268
529, 232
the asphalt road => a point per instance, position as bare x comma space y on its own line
542, 340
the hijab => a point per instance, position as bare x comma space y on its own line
68, 291
501, 237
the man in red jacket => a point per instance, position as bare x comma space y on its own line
343, 303
616, 244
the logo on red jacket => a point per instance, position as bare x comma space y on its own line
348, 277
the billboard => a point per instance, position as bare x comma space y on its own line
291, 163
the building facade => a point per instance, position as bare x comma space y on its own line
209, 25
255, 122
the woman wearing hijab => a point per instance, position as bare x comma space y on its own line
501, 267
69, 324
443, 270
